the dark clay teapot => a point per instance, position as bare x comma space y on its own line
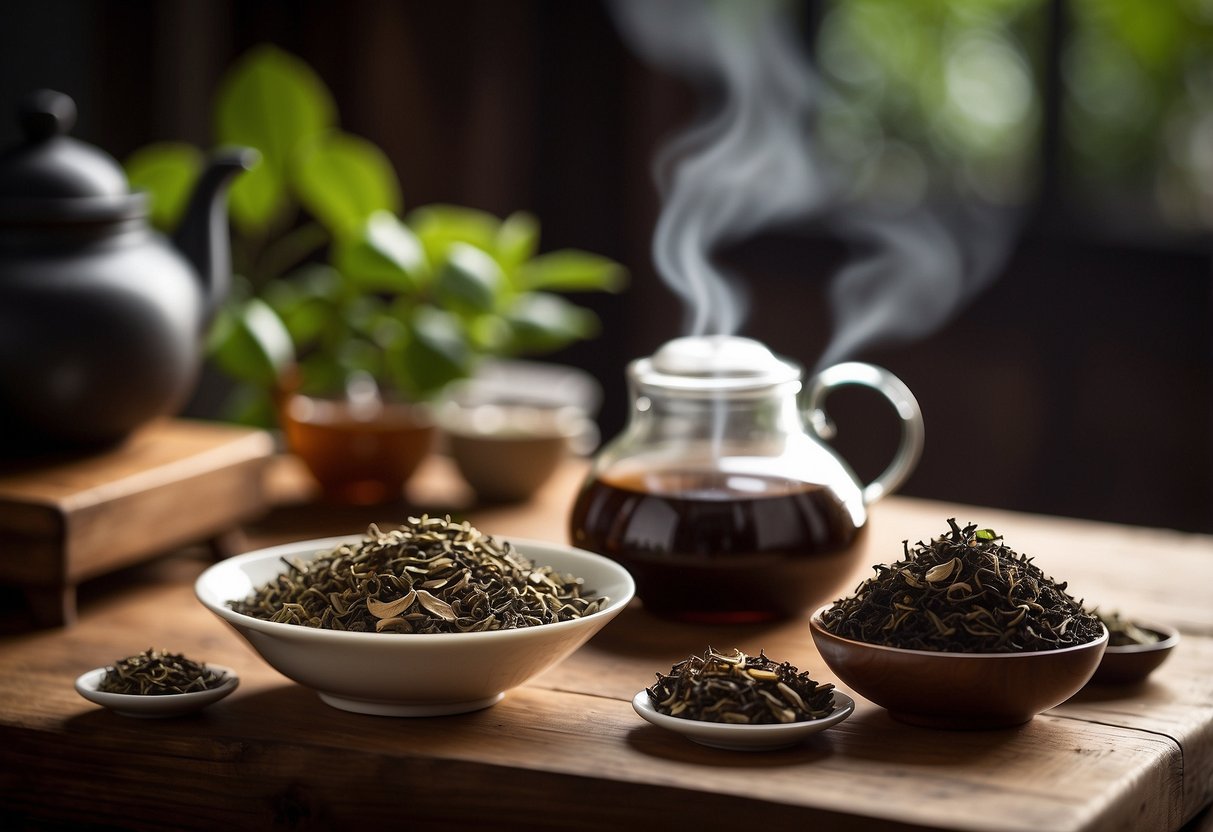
102, 318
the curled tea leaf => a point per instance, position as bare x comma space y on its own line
435, 605
391, 609
392, 625
941, 572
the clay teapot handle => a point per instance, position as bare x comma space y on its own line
893, 389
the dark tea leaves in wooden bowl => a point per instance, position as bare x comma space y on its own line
963, 592
963, 632
1135, 650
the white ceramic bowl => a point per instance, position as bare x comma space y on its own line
397, 674
743, 737
157, 705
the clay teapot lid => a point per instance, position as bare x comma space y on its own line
51, 177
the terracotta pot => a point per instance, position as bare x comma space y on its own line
359, 454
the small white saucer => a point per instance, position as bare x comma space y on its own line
154, 705
743, 737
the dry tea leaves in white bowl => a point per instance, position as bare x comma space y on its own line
431, 576
411, 623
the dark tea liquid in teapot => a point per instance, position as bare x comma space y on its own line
719, 547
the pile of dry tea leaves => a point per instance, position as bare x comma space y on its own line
964, 592
431, 576
1124, 633
156, 673
740, 689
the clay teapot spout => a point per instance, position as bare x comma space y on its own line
203, 235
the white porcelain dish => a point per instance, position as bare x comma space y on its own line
743, 737
394, 674
158, 705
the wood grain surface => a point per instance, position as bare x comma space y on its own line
173, 482
566, 751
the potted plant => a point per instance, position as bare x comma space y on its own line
347, 314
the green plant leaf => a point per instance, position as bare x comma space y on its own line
257, 199
441, 226
435, 354
314, 280
320, 374
342, 180
386, 255
274, 102
167, 171
360, 355
362, 313
572, 270
387, 330
469, 280
251, 343
542, 322
250, 404
490, 334
517, 240
306, 302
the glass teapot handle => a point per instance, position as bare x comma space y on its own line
893, 389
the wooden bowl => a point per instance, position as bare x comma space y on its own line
958, 690
1132, 663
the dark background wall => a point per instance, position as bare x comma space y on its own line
1078, 384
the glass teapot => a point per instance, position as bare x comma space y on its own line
720, 496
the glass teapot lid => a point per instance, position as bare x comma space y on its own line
713, 364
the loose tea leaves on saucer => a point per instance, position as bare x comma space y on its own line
740, 689
431, 576
158, 673
964, 592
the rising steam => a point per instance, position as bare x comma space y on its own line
743, 167
749, 164
913, 273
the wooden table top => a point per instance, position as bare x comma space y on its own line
567, 752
